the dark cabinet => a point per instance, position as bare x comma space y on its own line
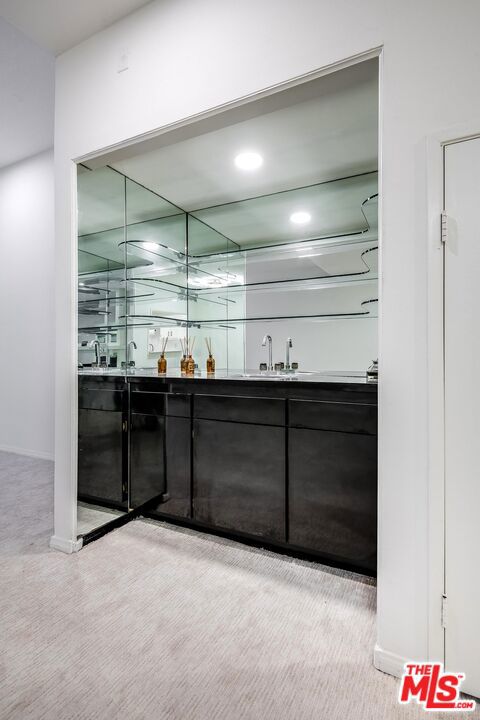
239, 467
147, 458
292, 470
102, 475
160, 436
333, 483
178, 433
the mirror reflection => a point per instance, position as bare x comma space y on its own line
253, 245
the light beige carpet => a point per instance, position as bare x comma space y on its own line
154, 623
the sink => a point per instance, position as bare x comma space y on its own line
271, 376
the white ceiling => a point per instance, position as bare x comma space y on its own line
58, 25
324, 130
32, 32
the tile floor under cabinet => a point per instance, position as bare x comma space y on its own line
90, 517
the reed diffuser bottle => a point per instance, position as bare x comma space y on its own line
210, 358
162, 360
183, 361
190, 366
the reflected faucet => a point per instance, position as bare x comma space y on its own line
268, 339
287, 355
95, 344
131, 344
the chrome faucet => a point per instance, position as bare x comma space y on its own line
287, 355
95, 344
268, 339
131, 344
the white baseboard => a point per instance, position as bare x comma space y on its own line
29, 453
389, 662
66, 546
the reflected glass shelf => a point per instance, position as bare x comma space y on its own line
338, 209
368, 310
148, 268
357, 309
103, 192
342, 210
305, 275
205, 274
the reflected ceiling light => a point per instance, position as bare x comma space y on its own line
248, 160
301, 217
81, 284
302, 249
150, 245
218, 281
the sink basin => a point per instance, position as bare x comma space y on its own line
271, 375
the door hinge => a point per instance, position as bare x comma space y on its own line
444, 227
124, 426
444, 611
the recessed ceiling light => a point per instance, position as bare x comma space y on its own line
248, 160
150, 245
301, 217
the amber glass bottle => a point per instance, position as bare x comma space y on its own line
162, 365
183, 365
190, 366
210, 365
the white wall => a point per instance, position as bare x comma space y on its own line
186, 56
27, 87
27, 308
329, 345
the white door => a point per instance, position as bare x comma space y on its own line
462, 412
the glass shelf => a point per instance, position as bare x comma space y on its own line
106, 196
353, 199
314, 267
339, 209
303, 271
357, 303
164, 271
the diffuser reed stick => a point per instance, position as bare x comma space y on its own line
183, 361
190, 366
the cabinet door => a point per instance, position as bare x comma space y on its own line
160, 443
178, 434
333, 494
178, 454
239, 477
100, 456
147, 458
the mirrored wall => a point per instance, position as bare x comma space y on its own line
159, 277
152, 276
255, 239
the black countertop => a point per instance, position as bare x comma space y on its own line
250, 376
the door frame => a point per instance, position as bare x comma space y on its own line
66, 406
435, 196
